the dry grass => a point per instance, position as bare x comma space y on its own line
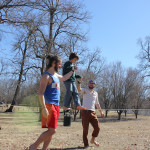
21, 129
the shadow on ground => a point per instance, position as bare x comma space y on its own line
71, 148
115, 119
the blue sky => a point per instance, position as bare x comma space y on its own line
115, 27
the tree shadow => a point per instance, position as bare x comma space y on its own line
70, 148
115, 119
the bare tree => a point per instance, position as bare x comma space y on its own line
136, 90
57, 19
144, 56
95, 61
104, 90
54, 28
117, 87
122, 89
2, 66
9, 9
21, 46
7, 87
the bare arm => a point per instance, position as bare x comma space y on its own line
65, 77
68, 75
99, 107
44, 81
79, 86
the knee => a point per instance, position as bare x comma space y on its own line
96, 131
85, 131
52, 131
98, 128
68, 93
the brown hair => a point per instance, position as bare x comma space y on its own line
73, 55
51, 59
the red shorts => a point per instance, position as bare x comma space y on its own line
52, 120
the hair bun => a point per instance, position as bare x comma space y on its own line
49, 56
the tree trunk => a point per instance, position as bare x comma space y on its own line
75, 112
106, 113
50, 43
10, 109
43, 66
119, 114
125, 113
136, 113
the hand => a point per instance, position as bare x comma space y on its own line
45, 112
75, 68
80, 79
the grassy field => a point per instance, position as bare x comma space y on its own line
20, 129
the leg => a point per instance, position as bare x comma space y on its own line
51, 123
94, 142
77, 101
45, 136
68, 95
95, 123
85, 124
76, 98
46, 143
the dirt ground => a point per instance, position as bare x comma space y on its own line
20, 129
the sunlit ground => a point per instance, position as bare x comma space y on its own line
20, 129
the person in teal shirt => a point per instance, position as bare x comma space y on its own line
71, 89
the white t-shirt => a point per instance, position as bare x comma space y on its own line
90, 98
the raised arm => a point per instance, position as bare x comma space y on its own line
66, 76
79, 85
